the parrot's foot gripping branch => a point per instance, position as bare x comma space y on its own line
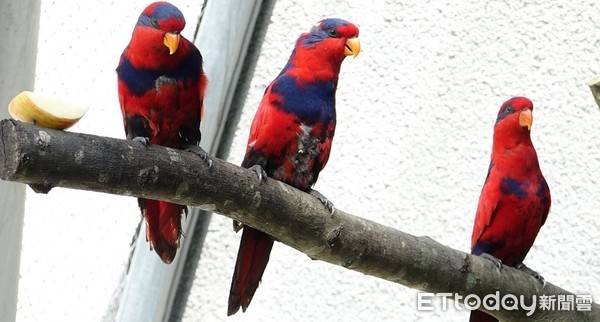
533, 273
328, 204
200, 152
497, 262
143, 140
260, 172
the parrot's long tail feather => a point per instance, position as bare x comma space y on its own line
252, 259
163, 226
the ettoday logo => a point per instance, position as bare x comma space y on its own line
507, 302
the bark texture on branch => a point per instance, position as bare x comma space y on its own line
47, 158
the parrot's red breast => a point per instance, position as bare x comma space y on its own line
291, 134
515, 199
161, 90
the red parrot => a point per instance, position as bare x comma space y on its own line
290, 138
515, 199
161, 91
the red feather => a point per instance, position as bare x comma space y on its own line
252, 259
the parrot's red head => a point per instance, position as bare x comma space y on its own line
160, 23
319, 53
513, 124
333, 38
516, 110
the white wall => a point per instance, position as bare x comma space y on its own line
415, 117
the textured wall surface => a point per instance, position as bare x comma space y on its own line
415, 117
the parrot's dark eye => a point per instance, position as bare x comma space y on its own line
509, 109
154, 22
332, 33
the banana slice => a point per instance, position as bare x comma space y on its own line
46, 111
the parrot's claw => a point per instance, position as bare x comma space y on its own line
533, 273
497, 262
260, 172
328, 204
142, 139
201, 153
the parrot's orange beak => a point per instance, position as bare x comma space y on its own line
526, 118
171, 40
352, 47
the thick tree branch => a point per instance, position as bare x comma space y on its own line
47, 158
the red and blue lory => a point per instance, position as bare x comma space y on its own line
290, 138
161, 91
515, 198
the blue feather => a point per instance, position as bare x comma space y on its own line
310, 102
485, 247
321, 31
140, 80
161, 11
511, 186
